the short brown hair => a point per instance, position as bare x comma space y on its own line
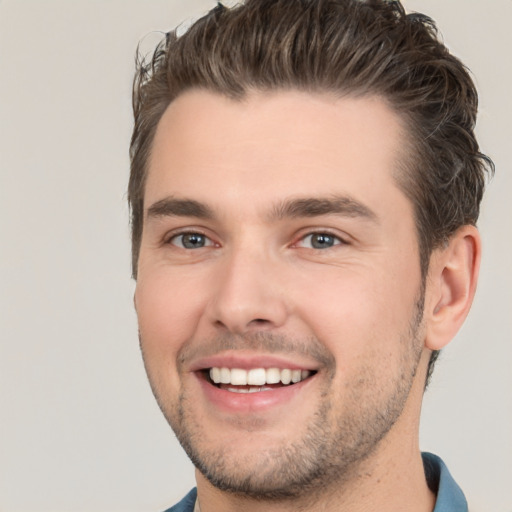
344, 47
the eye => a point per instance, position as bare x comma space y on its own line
320, 241
191, 241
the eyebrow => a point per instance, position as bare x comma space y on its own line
314, 207
293, 208
173, 207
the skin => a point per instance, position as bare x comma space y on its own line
258, 290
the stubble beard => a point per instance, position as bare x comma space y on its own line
329, 453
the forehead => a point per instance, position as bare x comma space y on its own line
271, 145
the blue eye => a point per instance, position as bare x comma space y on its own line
320, 241
191, 240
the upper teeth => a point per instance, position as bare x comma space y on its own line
256, 376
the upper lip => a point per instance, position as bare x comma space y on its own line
247, 361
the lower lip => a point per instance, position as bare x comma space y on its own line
258, 401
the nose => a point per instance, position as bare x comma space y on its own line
248, 295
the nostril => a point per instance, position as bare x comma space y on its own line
259, 321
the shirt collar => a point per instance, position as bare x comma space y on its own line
450, 497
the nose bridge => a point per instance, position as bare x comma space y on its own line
248, 295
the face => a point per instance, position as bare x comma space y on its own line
279, 293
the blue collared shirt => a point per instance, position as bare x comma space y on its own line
450, 498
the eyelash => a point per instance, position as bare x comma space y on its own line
337, 240
171, 239
322, 233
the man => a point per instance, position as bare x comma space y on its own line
304, 190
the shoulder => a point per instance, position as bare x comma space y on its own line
186, 504
450, 497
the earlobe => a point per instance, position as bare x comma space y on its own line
451, 286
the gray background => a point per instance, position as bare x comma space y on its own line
79, 429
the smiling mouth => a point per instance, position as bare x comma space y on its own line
238, 380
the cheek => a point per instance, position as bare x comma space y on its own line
360, 313
165, 314
166, 318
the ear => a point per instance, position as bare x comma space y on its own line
451, 286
